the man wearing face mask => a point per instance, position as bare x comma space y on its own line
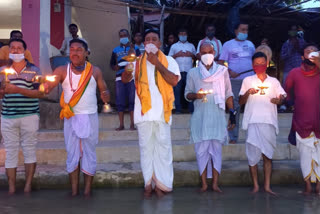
208, 124
260, 118
124, 91
303, 88
237, 53
20, 114
184, 54
210, 37
4, 50
155, 75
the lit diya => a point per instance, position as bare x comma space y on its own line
262, 88
42, 79
6, 72
205, 92
106, 108
130, 58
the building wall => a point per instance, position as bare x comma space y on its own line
99, 23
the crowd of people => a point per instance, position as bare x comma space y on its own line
213, 79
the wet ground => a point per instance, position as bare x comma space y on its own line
234, 200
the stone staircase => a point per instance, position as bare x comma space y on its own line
122, 146
118, 155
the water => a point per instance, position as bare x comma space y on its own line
234, 200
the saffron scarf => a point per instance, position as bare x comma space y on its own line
67, 111
142, 86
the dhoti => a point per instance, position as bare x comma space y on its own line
156, 154
309, 151
81, 135
261, 139
209, 152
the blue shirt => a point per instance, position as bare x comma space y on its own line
117, 55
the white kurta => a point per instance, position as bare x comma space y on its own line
309, 150
259, 108
154, 135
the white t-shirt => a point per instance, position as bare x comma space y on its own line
238, 54
66, 46
259, 108
156, 112
217, 46
185, 63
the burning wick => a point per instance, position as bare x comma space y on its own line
42, 79
205, 92
8, 71
106, 108
262, 89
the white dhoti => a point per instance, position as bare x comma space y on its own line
156, 154
81, 135
261, 139
309, 151
209, 152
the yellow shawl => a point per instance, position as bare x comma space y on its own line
142, 86
67, 111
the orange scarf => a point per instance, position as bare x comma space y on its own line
142, 86
67, 111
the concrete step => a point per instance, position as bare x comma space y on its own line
234, 173
111, 134
128, 151
49, 118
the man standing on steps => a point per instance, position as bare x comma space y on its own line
210, 37
124, 91
20, 114
184, 54
303, 88
78, 101
155, 75
260, 118
208, 123
238, 52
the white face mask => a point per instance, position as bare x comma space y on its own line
207, 59
151, 48
16, 57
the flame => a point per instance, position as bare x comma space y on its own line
9, 71
51, 78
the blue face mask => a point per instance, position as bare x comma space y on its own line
183, 38
124, 40
242, 36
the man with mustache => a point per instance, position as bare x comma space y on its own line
79, 80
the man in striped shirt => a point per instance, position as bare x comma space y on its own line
20, 113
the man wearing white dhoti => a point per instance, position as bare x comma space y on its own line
261, 94
208, 123
303, 88
155, 74
80, 81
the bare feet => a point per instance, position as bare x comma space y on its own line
307, 189
215, 188
232, 142
87, 194
159, 192
120, 128
12, 189
255, 190
269, 191
203, 188
27, 188
147, 191
318, 188
132, 128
